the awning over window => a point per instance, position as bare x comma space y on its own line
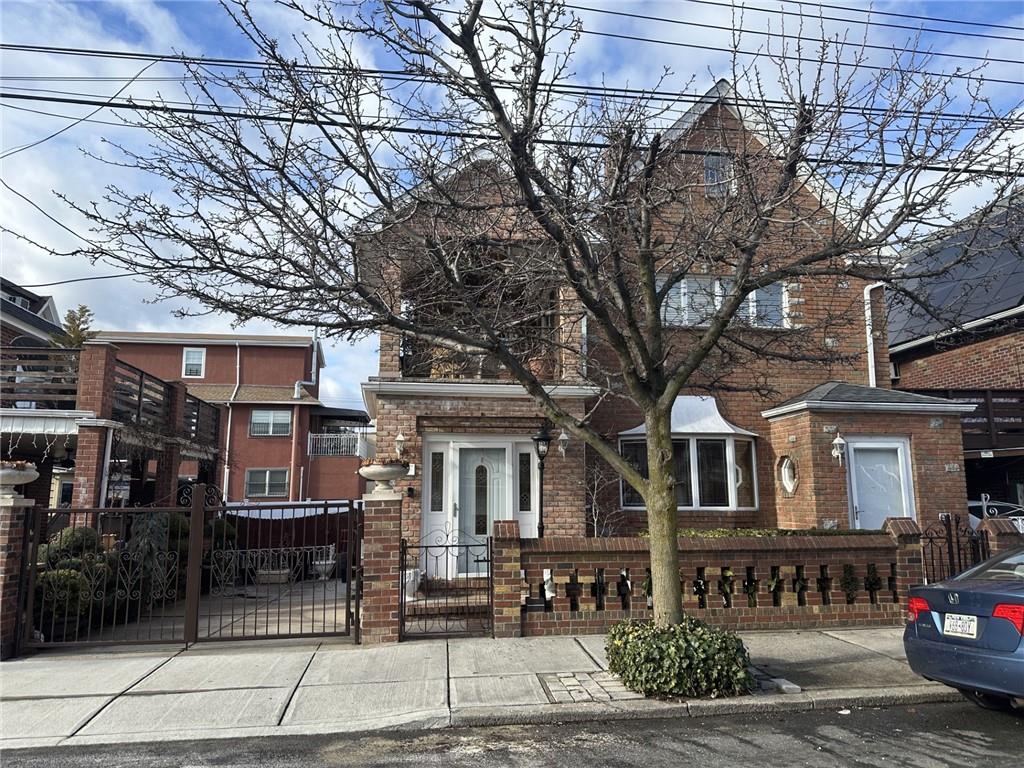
695, 414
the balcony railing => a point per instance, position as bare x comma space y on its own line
202, 421
39, 377
340, 444
998, 421
140, 398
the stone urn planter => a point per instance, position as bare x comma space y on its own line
384, 474
14, 473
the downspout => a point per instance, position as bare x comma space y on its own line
314, 367
869, 331
227, 439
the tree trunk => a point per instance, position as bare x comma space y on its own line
662, 522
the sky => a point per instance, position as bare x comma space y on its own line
200, 27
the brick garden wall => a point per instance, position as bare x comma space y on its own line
597, 582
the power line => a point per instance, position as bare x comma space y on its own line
784, 36
876, 12
583, 90
389, 128
866, 22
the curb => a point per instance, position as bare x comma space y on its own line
548, 714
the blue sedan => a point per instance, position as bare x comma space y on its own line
968, 632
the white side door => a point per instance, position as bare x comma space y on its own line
880, 481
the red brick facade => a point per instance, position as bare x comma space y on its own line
993, 363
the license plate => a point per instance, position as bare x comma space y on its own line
958, 625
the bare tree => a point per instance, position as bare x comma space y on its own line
604, 514
472, 201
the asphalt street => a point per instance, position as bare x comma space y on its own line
956, 735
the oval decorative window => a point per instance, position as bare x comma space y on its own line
787, 474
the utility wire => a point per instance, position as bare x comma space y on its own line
80, 280
877, 12
865, 22
587, 90
390, 128
784, 36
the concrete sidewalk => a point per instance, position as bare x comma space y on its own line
297, 687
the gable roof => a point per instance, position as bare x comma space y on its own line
843, 396
39, 319
977, 293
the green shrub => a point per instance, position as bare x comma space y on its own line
222, 533
72, 542
688, 659
62, 592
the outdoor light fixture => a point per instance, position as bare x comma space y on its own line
400, 443
839, 448
541, 443
563, 443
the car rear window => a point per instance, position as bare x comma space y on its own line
1008, 566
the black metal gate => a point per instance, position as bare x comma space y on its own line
446, 588
950, 547
207, 571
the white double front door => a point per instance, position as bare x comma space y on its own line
469, 482
880, 480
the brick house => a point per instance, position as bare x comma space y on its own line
280, 442
981, 359
745, 459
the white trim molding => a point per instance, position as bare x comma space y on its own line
455, 389
828, 405
42, 421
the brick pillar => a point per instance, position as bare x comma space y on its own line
382, 534
1002, 535
909, 560
507, 576
96, 368
166, 491
13, 518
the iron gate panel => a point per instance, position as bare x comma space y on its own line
446, 588
950, 547
152, 575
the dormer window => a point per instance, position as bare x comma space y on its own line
718, 175
193, 362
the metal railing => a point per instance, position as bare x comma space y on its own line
39, 377
997, 422
340, 444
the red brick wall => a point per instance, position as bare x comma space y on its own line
993, 363
333, 477
281, 366
895, 554
822, 487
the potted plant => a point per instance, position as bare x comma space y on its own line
384, 470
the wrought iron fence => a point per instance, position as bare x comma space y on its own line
446, 587
209, 571
950, 547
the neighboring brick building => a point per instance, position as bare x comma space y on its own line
280, 442
745, 460
975, 352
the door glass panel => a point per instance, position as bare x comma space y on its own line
436, 481
878, 485
525, 496
482, 490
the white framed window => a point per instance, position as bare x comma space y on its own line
719, 180
694, 300
266, 482
270, 423
712, 472
193, 362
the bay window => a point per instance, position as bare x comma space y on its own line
711, 472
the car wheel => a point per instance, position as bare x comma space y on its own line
987, 700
